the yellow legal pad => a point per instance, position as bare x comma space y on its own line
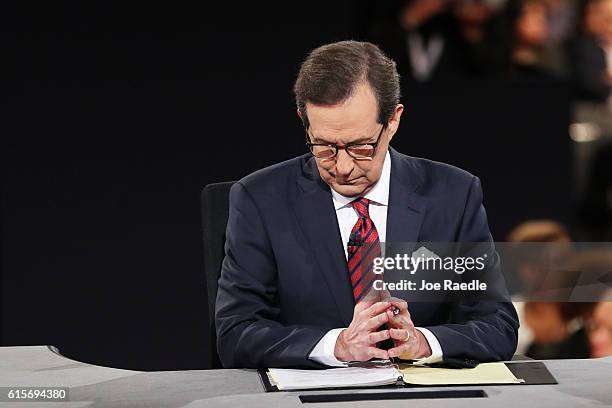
375, 374
484, 373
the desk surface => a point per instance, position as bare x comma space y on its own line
582, 383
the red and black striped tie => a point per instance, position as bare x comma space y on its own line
362, 248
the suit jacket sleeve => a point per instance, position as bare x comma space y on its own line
249, 333
481, 330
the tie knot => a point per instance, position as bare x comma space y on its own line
361, 206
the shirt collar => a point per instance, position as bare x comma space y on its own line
379, 194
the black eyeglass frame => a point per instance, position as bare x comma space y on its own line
346, 147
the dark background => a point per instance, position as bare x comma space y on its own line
116, 116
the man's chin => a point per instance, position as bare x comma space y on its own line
349, 190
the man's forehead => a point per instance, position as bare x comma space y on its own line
356, 116
344, 136
342, 127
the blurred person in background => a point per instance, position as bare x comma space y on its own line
541, 30
599, 329
591, 60
561, 19
531, 31
483, 25
548, 330
592, 53
561, 16
439, 39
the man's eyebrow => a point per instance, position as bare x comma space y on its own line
319, 140
361, 140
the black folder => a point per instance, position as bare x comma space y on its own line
531, 372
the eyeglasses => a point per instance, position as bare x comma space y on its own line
359, 151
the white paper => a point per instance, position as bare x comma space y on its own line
291, 379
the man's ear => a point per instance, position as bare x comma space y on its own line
303, 117
395, 120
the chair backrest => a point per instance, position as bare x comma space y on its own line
215, 212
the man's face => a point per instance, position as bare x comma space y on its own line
354, 120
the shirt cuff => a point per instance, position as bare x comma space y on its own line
434, 344
323, 352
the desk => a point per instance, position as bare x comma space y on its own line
582, 383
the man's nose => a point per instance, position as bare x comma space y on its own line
344, 163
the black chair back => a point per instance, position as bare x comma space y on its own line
215, 212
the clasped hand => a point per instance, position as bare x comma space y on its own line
359, 341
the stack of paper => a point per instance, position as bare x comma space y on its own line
289, 379
385, 374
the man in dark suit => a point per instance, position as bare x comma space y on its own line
294, 281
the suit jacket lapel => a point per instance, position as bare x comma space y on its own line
405, 215
406, 206
316, 215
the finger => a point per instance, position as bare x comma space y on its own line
399, 334
393, 315
404, 350
363, 305
399, 311
375, 352
375, 322
393, 320
376, 337
399, 321
399, 303
376, 309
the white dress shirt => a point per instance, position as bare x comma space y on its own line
347, 217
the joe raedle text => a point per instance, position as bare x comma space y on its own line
428, 261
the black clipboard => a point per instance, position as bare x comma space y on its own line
531, 372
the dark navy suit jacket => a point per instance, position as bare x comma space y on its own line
284, 280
